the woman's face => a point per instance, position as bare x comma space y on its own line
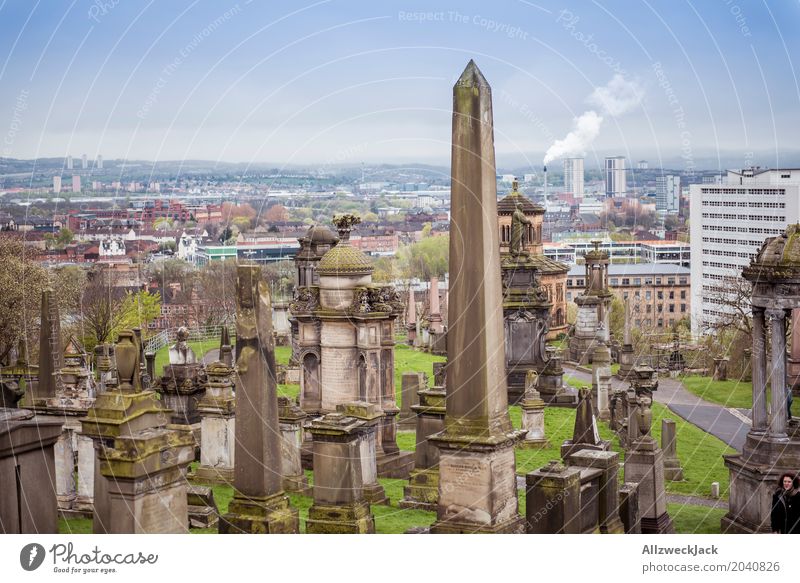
787, 483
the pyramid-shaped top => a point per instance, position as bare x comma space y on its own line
472, 77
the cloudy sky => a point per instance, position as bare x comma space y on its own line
339, 81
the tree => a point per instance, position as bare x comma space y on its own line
426, 258
242, 223
616, 319
732, 296
107, 309
21, 283
277, 213
217, 287
65, 237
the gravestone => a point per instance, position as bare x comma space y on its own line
533, 414
422, 490
672, 465
584, 434
411, 384
371, 415
291, 418
553, 500
217, 410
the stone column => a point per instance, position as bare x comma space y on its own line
85, 497
435, 317
372, 416
777, 417
290, 418
423, 483
259, 503
339, 505
411, 384
794, 358
553, 500
411, 317
65, 468
672, 465
477, 488
759, 363
601, 378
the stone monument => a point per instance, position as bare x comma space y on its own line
259, 503
477, 478
371, 415
291, 419
217, 410
423, 483
339, 504
411, 384
182, 382
594, 307
672, 465
772, 446
533, 414
584, 434
601, 378
644, 463
627, 357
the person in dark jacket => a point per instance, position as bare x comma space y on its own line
785, 515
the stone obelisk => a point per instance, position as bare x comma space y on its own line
259, 504
477, 487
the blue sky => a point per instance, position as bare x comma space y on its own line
330, 82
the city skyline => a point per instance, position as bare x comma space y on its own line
346, 82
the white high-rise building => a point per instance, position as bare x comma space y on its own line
76, 183
56, 184
99, 162
69, 162
728, 224
84, 162
642, 165
616, 181
668, 194
573, 176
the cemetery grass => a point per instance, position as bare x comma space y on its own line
690, 519
200, 348
731, 393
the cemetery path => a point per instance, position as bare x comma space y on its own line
728, 425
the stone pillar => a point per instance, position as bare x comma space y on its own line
553, 500
477, 487
217, 411
85, 496
65, 469
435, 317
371, 415
759, 363
290, 419
411, 384
259, 503
608, 490
601, 379
339, 505
721, 369
778, 414
411, 316
423, 483
672, 465
793, 364
150, 358
533, 415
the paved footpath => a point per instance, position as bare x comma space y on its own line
729, 425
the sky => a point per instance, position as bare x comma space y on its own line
326, 82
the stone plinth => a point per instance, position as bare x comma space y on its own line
551, 385
291, 418
217, 411
146, 480
584, 434
203, 511
27, 465
411, 384
372, 417
339, 505
607, 488
601, 380
721, 369
553, 500
422, 490
672, 465
627, 360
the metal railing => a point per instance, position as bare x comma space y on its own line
167, 337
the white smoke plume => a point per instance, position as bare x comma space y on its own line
584, 130
617, 97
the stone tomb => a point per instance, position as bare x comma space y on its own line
182, 382
339, 504
533, 415
422, 490
290, 419
27, 469
217, 411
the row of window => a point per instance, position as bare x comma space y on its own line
732, 217
636, 281
746, 204
777, 191
720, 265
727, 253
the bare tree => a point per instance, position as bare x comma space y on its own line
731, 298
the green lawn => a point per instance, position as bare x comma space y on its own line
695, 519
731, 393
200, 348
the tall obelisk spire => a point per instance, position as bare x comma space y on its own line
477, 486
